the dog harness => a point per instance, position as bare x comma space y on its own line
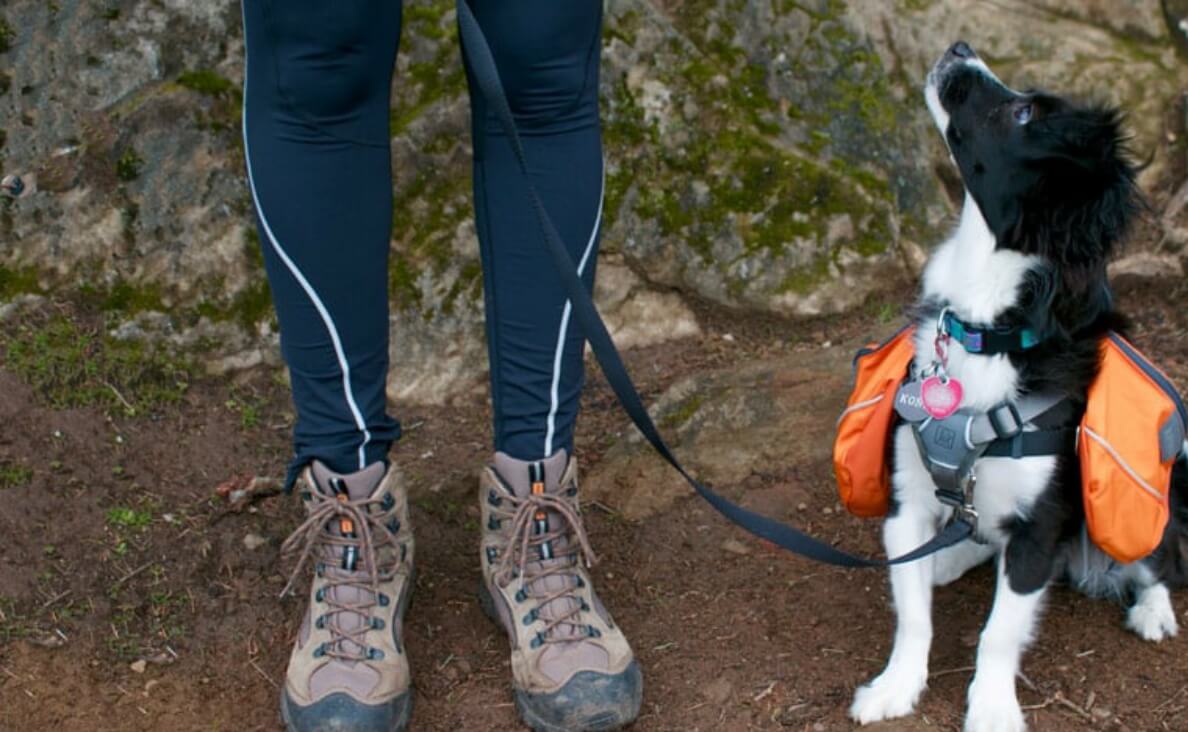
950, 446
1126, 439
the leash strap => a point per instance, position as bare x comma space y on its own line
485, 74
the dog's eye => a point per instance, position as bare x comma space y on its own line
1022, 113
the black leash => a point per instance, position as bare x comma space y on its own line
486, 76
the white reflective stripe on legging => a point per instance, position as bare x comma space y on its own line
309, 290
552, 418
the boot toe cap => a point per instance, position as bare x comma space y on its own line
342, 713
590, 701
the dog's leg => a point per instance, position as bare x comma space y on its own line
894, 692
952, 563
1151, 616
1018, 597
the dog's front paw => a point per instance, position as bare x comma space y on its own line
891, 694
993, 708
1152, 616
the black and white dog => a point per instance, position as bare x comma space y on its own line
1049, 193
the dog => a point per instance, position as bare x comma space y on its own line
1049, 194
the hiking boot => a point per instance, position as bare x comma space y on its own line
571, 666
348, 670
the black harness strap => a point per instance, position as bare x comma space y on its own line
486, 76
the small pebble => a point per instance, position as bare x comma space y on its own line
139, 666
254, 541
734, 546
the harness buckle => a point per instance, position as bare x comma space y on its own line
963, 505
1003, 431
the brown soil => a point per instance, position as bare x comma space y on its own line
731, 637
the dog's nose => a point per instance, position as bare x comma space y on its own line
961, 49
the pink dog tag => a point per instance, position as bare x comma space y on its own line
941, 397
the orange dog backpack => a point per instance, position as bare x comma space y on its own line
864, 428
1131, 433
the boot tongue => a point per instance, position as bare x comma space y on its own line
517, 473
520, 476
359, 486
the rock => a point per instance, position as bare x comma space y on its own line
734, 546
1147, 264
254, 541
139, 666
778, 414
759, 156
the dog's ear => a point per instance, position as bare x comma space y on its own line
1086, 197
1087, 136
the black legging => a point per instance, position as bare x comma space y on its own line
316, 116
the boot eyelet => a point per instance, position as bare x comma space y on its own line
521, 595
388, 502
377, 623
320, 570
320, 623
320, 595
537, 641
394, 526
593, 632
383, 600
571, 492
581, 582
375, 654
493, 524
320, 651
492, 554
585, 607
493, 498
531, 617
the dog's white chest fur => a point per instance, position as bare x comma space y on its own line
978, 282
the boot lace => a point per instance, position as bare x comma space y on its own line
524, 560
373, 526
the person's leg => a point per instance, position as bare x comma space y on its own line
547, 54
316, 146
572, 667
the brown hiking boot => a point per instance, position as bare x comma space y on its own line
571, 666
348, 670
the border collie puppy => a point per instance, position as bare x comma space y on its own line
1049, 193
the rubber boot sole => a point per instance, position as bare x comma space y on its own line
581, 705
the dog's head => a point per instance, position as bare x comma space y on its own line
1050, 176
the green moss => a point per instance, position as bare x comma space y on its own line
441, 77
206, 82
427, 214
126, 298
70, 365
14, 475
6, 36
128, 165
683, 412
15, 282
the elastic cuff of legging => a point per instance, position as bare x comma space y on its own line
374, 452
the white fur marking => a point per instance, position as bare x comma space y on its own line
1152, 616
992, 703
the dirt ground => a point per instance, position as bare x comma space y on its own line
131, 600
